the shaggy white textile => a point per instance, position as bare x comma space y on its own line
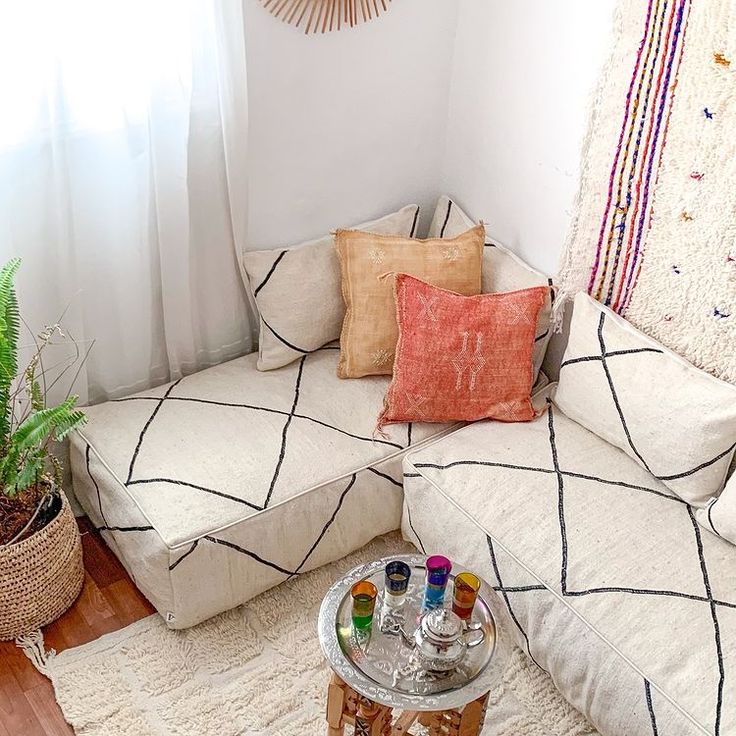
654, 234
257, 670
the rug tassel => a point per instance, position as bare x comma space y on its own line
562, 298
32, 646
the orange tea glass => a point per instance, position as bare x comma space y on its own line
464, 594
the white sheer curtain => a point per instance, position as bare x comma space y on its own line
122, 180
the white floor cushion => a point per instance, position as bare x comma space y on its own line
608, 580
227, 482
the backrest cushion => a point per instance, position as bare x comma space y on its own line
674, 419
462, 358
370, 332
503, 270
297, 293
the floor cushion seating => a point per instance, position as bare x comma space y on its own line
227, 482
605, 577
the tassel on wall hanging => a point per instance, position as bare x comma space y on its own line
320, 16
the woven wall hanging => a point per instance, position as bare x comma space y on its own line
320, 16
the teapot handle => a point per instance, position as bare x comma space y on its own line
474, 637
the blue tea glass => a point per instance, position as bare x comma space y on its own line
438, 573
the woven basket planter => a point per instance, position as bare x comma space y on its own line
41, 576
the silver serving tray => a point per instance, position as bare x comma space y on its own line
381, 665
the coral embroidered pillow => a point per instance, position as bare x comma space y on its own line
296, 291
675, 420
369, 332
462, 358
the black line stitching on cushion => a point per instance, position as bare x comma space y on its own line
269, 274
97, 488
229, 404
283, 340
614, 395
296, 415
387, 477
185, 555
698, 468
613, 353
196, 487
550, 471
248, 553
497, 572
710, 518
714, 617
650, 707
414, 223
328, 524
411, 525
284, 433
637, 591
560, 496
447, 217
283, 413
146, 426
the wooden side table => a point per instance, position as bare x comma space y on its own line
345, 707
378, 687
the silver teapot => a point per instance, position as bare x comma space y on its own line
442, 639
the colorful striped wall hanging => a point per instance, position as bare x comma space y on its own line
655, 219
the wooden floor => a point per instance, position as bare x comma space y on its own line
109, 601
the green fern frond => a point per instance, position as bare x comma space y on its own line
24, 457
31, 472
72, 421
9, 331
8, 476
37, 427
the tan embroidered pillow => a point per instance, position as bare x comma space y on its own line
370, 331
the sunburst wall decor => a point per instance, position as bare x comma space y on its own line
320, 16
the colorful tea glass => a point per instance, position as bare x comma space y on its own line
438, 573
464, 594
397, 583
364, 601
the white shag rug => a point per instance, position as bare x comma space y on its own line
257, 670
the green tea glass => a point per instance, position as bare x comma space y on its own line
364, 602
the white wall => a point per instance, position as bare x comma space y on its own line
345, 126
522, 80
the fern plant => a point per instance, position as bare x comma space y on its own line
27, 424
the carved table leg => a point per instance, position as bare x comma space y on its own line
425, 719
473, 716
372, 719
404, 722
444, 723
465, 722
342, 703
336, 702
